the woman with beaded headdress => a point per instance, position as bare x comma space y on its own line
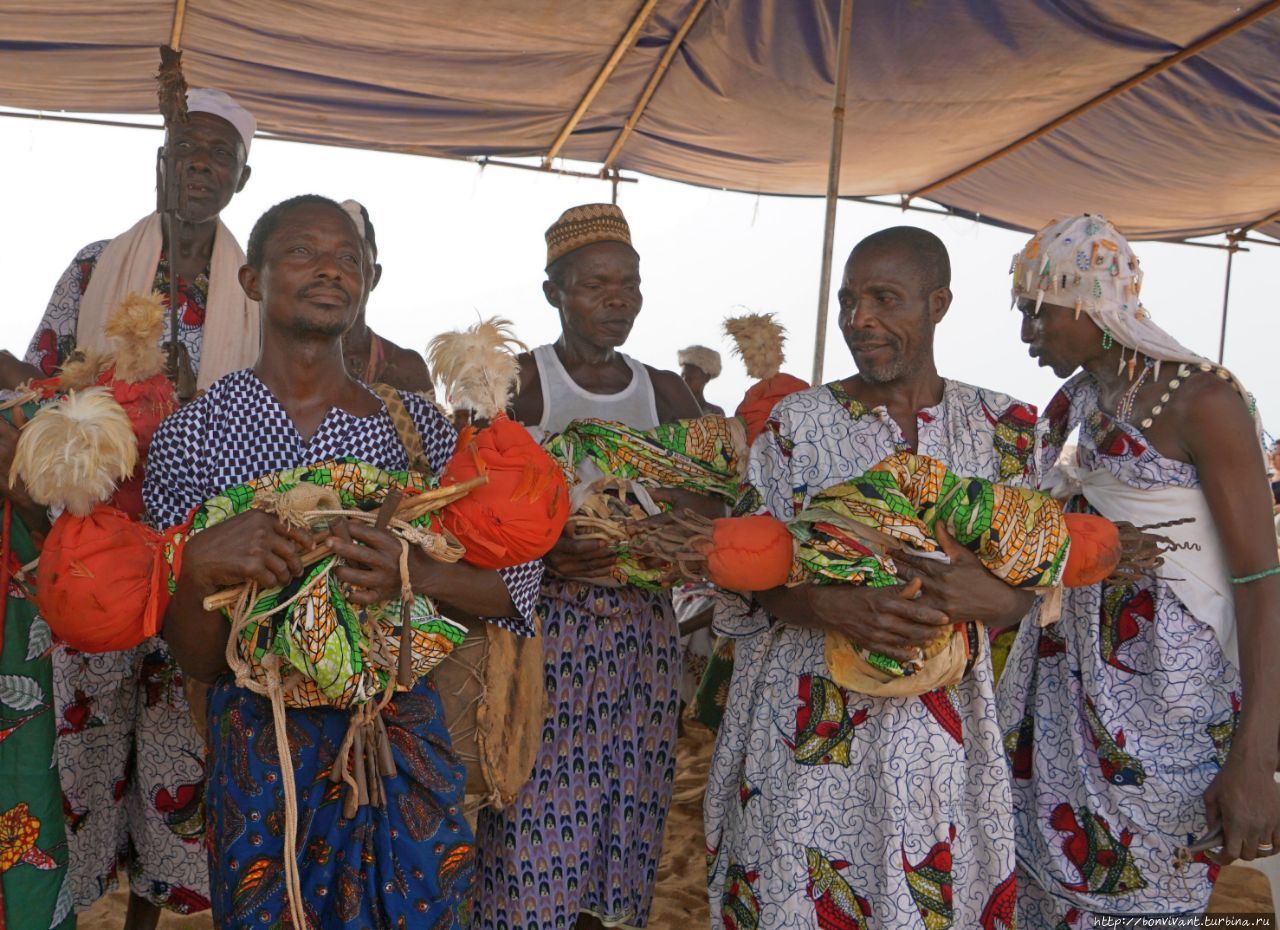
1145, 721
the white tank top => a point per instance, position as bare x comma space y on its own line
564, 400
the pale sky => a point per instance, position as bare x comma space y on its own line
457, 241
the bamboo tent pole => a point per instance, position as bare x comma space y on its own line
606, 72
655, 79
179, 17
1195, 48
1226, 301
833, 184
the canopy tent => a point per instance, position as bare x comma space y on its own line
934, 87
1162, 114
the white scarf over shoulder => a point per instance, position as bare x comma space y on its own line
230, 338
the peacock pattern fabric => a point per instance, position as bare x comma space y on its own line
408, 864
33, 853
1130, 682
826, 808
585, 833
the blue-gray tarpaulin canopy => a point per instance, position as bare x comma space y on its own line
1162, 114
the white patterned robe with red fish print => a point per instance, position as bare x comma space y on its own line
832, 810
1116, 718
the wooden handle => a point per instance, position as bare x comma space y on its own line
228, 597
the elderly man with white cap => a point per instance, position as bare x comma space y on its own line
129, 758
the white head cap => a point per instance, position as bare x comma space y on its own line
220, 103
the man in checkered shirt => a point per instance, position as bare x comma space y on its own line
409, 864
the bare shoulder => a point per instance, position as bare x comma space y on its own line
673, 398
1207, 397
526, 407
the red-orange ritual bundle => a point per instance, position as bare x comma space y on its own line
1095, 550
520, 513
103, 581
762, 397
749, 553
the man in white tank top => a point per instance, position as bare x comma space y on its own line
579, 848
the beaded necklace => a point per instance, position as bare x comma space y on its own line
1125, 408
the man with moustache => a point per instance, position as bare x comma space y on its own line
826, 806
129, 759
579, 846
408, 862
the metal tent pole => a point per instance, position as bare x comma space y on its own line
833, 184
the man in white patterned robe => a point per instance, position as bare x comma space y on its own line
831, 809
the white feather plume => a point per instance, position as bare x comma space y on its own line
757, 340
478, 366
75, 451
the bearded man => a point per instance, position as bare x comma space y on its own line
827, 806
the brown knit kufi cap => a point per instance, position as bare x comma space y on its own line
586, 225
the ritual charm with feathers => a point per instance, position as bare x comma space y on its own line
758, 339
100, 573
518, 515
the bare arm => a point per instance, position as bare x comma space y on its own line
1219, 437
14, 371
409, 372
672, 396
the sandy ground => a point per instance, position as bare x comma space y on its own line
680, 902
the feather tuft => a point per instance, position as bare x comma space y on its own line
758, 340
477, 366
134, 328
74, 451
82, 369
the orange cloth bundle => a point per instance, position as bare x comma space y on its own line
519, 514
749, 553
762, 397
1095, 551
103, 583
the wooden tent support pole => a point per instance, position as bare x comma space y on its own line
627, 40
1226, 300
654, 80
179, 15
1195, 48
833, 185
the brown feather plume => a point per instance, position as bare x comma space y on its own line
134, 328
82, 368
757, 340
478, 366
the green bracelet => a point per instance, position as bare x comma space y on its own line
1257, 576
